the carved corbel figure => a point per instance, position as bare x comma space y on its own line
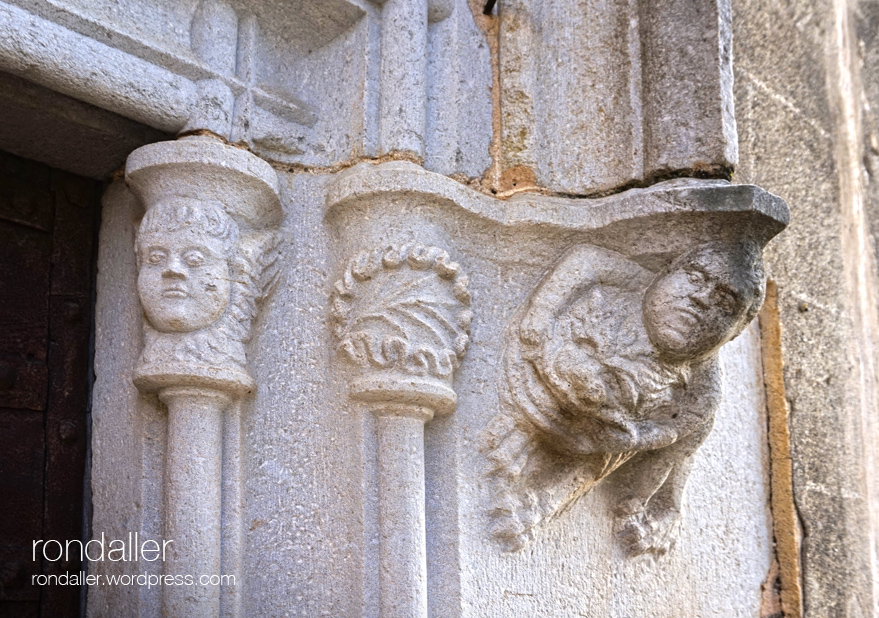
611, 367
199, 282
206, 258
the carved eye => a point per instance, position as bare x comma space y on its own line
725, 299
156, 256
694, 276
193, 258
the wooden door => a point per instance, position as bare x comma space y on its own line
48, 222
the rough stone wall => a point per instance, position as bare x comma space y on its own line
866, 21
866, 18
597, 96
798, 99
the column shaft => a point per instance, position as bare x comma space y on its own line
403, 107
402, 544
193, 476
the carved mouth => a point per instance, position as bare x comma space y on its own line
690, 315
174, 292
681, 320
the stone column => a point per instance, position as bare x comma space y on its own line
406, 331
402, 545
206, 259
193, 496
404, 74
403, 112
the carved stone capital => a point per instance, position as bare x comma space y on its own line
401, 316
206, 259
610, 361
400, 313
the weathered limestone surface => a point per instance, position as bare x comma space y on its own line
866, 17
297, 83
346, 471
796, 139
127, 435
866, 66
207, 259
621, 92
565, 572
304, 452
310, 472
394, 203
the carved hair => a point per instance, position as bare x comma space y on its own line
210, 218
743, 260
253, 267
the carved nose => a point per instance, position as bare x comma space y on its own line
701, 298
174, 269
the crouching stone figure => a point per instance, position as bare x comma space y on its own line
611, 367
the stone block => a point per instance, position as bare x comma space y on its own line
621, 93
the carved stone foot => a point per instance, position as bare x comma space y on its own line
654, 530
516, 517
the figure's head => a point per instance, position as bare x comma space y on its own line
704, 299
183, 252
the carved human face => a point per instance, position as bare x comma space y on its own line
184, 279
694, 308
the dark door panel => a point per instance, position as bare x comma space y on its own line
48, 221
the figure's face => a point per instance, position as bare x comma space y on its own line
183, 281
692, 310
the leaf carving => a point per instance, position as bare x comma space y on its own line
403, 308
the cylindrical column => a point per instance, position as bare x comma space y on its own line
402, 537
214, 39
193, 476
199, 192
421, 296
403, 108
